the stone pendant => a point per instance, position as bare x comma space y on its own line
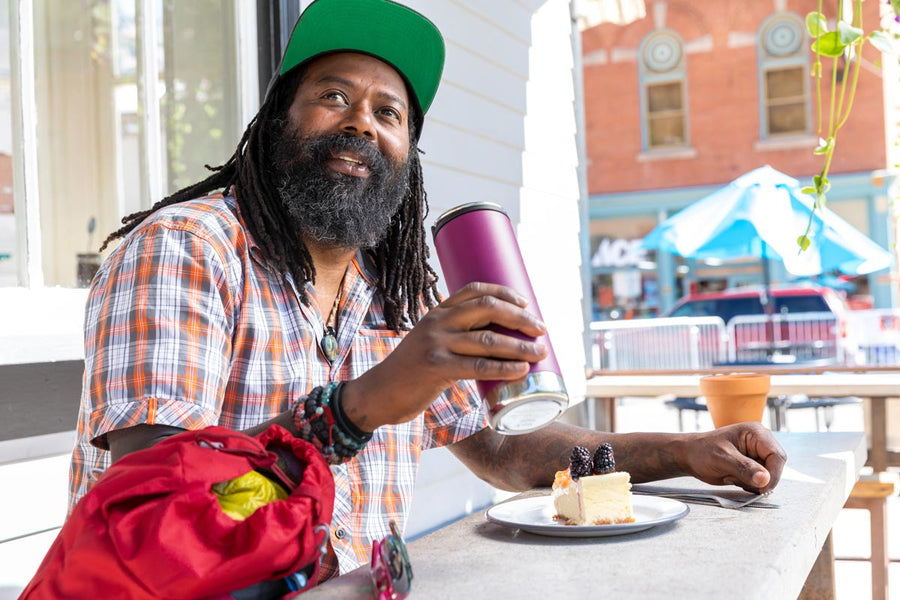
329, 344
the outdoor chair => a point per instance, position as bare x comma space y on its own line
692, 404
778, 408
824, 408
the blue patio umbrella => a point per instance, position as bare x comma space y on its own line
762, 213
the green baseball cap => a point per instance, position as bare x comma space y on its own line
394, 33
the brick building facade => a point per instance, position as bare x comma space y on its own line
694, 95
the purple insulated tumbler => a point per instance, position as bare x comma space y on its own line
476, 242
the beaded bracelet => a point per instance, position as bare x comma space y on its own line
320, 420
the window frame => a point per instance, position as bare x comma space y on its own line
767, 63
647, 78
28, 303
651, 116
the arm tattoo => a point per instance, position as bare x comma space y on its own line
525, 461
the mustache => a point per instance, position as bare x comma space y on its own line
319, 149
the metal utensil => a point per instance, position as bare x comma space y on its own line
710, 498
728, 502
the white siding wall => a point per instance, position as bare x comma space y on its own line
502, 129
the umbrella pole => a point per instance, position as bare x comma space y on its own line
768, 305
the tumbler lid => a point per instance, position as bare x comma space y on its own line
461, 210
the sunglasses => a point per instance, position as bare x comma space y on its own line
390, 568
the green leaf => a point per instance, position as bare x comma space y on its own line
881, 40
849, 33
816, 24
803, 242
824, 146
808, 190
829, 44
821, 184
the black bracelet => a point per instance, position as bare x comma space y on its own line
343, 421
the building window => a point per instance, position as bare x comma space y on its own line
783, 77
131, 99
663, 92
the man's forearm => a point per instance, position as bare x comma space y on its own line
521, 462
139, 437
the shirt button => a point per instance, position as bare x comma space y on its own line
339, 534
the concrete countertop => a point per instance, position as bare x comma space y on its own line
711, 553
818, 384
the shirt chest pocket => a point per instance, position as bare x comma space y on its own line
371, 346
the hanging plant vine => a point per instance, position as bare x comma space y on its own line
845, 41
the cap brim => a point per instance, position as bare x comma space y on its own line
389, 31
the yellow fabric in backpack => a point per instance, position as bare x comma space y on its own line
242, 496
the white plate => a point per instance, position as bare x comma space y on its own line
535, 515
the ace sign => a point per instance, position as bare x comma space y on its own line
618, 253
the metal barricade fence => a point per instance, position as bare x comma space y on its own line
812, 336
866, 337
874, 336
667, 343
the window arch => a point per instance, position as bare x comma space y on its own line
784, 107
663, 81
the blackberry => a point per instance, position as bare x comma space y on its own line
604, 461
580, 462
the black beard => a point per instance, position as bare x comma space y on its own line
333, 208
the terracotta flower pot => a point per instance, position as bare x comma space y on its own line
735, 398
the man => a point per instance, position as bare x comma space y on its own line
236, 309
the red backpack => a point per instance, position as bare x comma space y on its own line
152, 528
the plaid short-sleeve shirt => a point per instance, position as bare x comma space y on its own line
187, 325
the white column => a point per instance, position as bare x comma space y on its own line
24, 141
248, 67
148, 102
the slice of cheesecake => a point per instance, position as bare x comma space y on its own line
594, 499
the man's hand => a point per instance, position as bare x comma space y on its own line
746, 455
448, 344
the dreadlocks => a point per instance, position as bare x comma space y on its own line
405, 278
